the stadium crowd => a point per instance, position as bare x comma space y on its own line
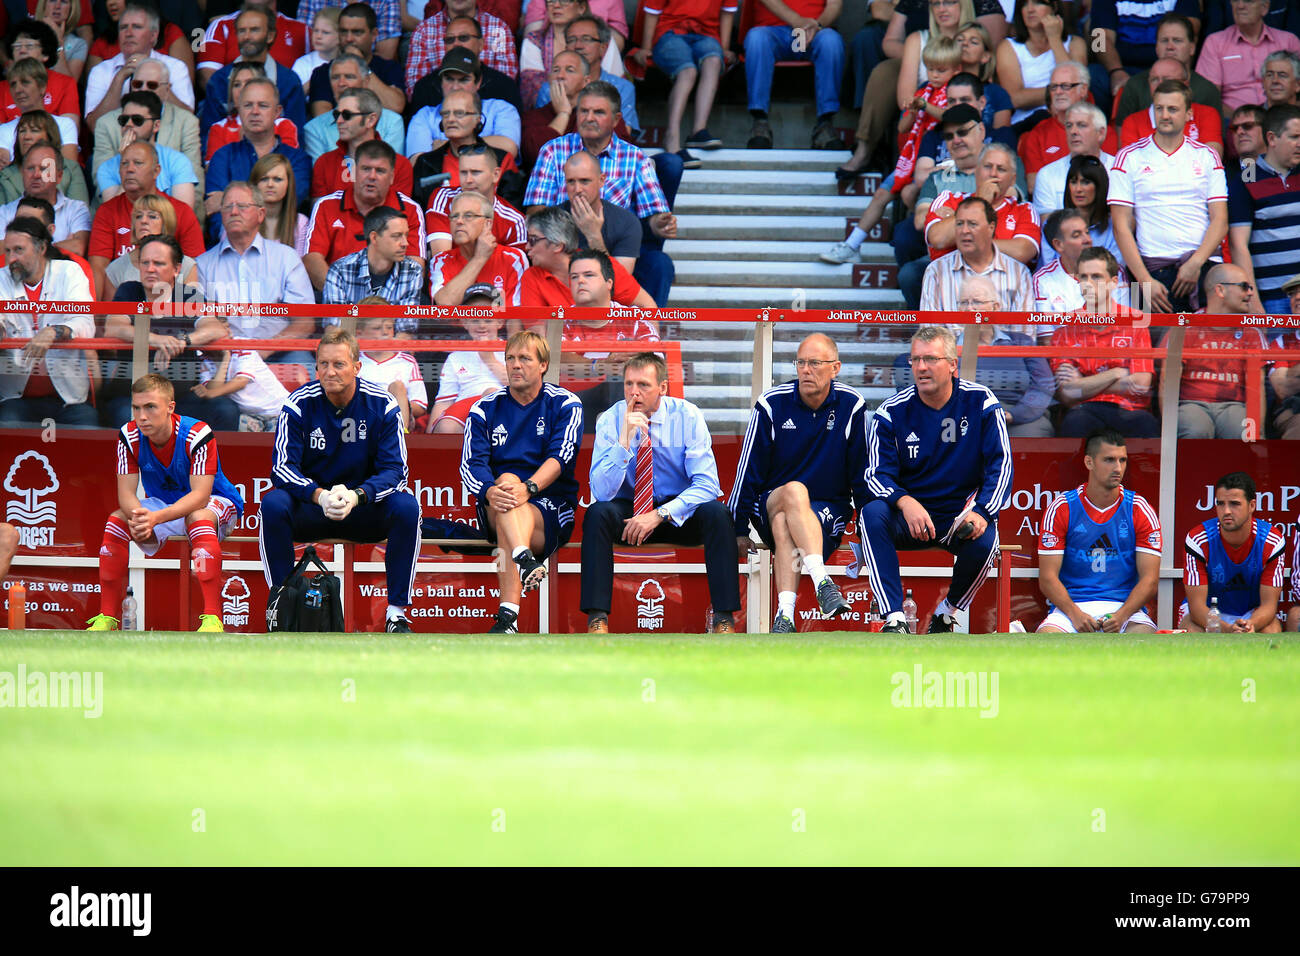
1045, 155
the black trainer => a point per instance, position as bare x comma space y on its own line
504, 622
942, 624
398, 625
897, 627
531, 571
830, 600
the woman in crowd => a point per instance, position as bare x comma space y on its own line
1040, 41
324, 44
35, 40
27, 86
62, 17
1086, 186
611, 11
978, 58
31, 128
170, 40
894, 82
273, 176
151, 215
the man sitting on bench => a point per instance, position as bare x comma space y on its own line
339, 470
655, 480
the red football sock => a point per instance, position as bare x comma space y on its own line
206, 551
113, 555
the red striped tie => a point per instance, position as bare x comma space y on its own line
643, 494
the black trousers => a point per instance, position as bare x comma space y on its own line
710, 526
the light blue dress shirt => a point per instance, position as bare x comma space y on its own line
685, 471
499, 119
267, 272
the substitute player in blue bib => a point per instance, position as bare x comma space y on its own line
518, 458
175, 458
1099, 549
939, 471
799, 474
339, 470
1236, 559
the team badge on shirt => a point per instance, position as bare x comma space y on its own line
541, 426
361, 430
830, 422
965, 426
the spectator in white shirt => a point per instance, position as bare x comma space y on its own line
137, 32
1085, 128
1169, 205
396, 371
1055, 288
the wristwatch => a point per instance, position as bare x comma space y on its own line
532, 488
662, 512
361, 495
185, 337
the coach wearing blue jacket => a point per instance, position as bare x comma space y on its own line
939, 469
339, 470
801, 469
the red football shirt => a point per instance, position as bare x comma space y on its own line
1056, 523
221, 47
60, 98
690, 16
1014, 219
110, 233
334, 229
1204, 125
504, 270
508, 223
543, 287
331, 173
231, 130
763, 17
1119, 341
1207, 379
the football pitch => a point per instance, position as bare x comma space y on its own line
812, 749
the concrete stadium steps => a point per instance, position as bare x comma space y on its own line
751, 225
720, 250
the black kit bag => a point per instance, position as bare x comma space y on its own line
309, 601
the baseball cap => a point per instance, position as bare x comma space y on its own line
477, 289
459, 60
1291, 284
959, 114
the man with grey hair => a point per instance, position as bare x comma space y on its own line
1017, 232
178, 127
1047, 141
553, 238
475, 256
137, 35
246, 267
348, 71
1085, 130
939, 471
356, 121
800, 474
1231, 58
1281, 78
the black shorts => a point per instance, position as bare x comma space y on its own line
833, 516
557, 522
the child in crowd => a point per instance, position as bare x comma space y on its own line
397, 371
324, 44
468, 376
245, 377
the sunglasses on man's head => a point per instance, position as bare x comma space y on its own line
135, 119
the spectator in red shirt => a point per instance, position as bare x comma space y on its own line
356, 116
110, 233
1048, 141
221, 45
1212, 392
1203, 122
1016, 232
475, 256
35, 40
689, 39
553, 240
480, 172
337, 220
1103, 392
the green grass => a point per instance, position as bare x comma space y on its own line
741, 733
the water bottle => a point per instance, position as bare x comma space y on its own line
909, 612
1213, 622
130, 617
18, 607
